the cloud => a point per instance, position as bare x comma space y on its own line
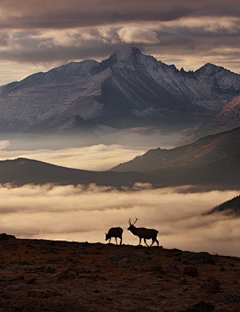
49, 33
73, 13
107, 156
4, 144
137, 35
121, 146
86, 213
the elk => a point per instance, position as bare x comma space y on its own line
114, 232
143, 233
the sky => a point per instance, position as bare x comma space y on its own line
39, 35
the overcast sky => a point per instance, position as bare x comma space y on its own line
38, 35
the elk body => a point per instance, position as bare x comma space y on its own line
143, 233
115, 232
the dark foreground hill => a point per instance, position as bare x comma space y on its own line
222, 174
60, 276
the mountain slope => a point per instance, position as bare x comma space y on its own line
23, 171
230, 207
226, 119
203, 151
222, 174
128, 89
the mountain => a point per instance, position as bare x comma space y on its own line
230, 207
74, 131
128, 89
222, 174
204, 151
227, 118
23, 171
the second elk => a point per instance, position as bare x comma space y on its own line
114, 232
143, 233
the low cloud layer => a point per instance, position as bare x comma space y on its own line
85, 214
122, 146
97, 157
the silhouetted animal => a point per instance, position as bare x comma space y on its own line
114, 232
143, 233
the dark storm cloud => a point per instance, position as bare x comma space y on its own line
75, 13
67, 14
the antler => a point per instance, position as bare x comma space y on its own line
135, 221
129, 221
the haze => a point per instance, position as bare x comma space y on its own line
120, 146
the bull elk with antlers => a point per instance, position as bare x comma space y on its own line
143, 233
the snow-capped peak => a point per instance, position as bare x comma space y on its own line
125, 53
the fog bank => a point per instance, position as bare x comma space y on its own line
85, 214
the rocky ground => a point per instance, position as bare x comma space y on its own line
42, 275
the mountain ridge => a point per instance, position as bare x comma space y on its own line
127, 89
227, 118
221, 174
208, 149
230, 208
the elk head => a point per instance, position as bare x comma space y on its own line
131, 225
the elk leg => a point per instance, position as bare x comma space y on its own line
140, 239
154, 240
145, 242
116, 240
110, 240
120, 240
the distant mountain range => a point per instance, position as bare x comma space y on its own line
208, 174
126, 90
206, 150
23, 171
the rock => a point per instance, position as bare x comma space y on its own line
213, 287
201, 257
49, 269
172, 268
38, 293
5, 236
191, 271
31, 281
